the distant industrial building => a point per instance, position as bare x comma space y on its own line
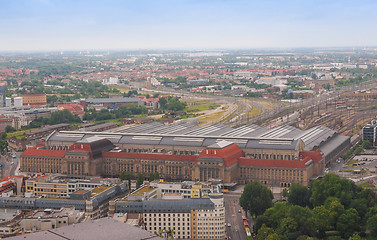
108, 103
3, 90
34, 99
370, 132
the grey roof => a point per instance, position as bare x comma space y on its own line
185, 205
316, 136
49, 128
112, 100
99, 126
220, 145
186, 134
333, 143
103, 228
273, 144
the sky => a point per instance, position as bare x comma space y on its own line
34, 25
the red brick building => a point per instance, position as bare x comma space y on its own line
94, 156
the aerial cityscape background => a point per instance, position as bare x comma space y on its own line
186, 119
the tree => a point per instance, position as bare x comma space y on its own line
331, 185
256, 198
370, 196
122, 176
348, 223
273, 236
140, 180
355, 237
51, 99
276, 213
175, 105
163, 102
323, 220
326, 86
3, 135
372, 225
335, 207
153, 176
361, 206
260, 221
10, 129
288, 227
299, 195
304, 218
366, 144
264, 232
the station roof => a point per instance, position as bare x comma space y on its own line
186, 134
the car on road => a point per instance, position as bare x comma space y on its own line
229, 225
239, 210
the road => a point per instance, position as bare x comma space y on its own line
9, 164
233, 215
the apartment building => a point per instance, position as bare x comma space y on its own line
50, 186
173, 215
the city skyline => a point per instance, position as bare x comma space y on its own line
165, 24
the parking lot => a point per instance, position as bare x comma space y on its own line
360, 168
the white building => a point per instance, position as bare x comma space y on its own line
179, 210
111, 81
197, 218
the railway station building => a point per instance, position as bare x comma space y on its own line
276, 157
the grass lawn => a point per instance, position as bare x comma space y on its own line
367, 185
19, 134
122, 89
201, 106
211, 118
253, 112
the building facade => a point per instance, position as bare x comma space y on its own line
370, 132
34, 99
198, 217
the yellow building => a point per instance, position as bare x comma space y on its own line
45, 186
34, 99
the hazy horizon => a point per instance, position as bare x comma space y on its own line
51, 25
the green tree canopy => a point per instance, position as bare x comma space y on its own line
372, 225
256, 198
299, 195
348, 223
331, 185
264, 232
140, 180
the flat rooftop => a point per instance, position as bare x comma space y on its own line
103, 228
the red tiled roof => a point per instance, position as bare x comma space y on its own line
43, 152
272, 163
41, 144
150, 156
230, 154
314, 155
